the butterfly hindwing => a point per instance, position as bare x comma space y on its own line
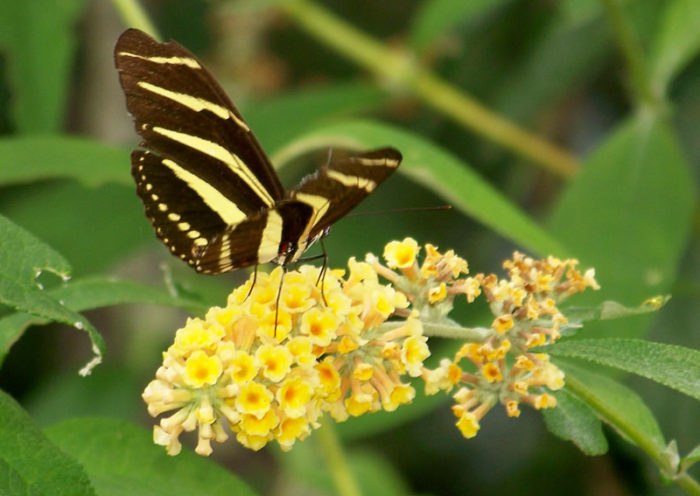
181, 219
261, 238
335, 189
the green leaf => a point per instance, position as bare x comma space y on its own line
88, 294
571, 53
435, 18
676, 43
22, 258
121, 458
613, 310
31, 158
94, 228
436, 170
673, 366
573, 420
628, 213
616, 405
32, 465
98, 292
39, 40
691, 458
579, 11
276, 121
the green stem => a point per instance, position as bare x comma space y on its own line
399, 69
472, 334
633, 54
135, 16
636, 436
332, 451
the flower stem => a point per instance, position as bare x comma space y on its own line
135, 16
455, 331
399, 69
333, 454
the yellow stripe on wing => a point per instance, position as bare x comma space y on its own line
352, 181
226, 209
234, 163
319, 206
194, 103
271, 237
188, 61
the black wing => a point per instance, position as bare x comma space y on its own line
335, 189
203, 165
261, 238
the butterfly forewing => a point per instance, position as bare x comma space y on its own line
208, 188
182, 113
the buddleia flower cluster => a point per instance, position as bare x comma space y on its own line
268, 369
500, 367
289, 347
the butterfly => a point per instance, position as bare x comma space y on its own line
207, 186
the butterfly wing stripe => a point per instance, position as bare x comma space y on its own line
353, 181
238, 246
189, 62
227, 210
319, 206
378, 161
173, 208
194, 103
271, 237
214, 150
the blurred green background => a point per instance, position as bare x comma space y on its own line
553, 68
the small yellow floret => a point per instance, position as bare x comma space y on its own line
254, 398
293, 397
401, 254
275, 361
201, 369
438, 293
244, 367
319, 325
468, 424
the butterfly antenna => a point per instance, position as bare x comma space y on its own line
401, 210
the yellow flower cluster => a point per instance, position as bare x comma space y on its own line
269, 367
289, 346
526, 316
431, 286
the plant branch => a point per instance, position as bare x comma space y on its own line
399, 69
636, 436
135, 16
632, 53
332, 451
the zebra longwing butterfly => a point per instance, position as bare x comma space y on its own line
208, 188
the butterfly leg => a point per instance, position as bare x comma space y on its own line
279, 295
255, 278
322, 273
